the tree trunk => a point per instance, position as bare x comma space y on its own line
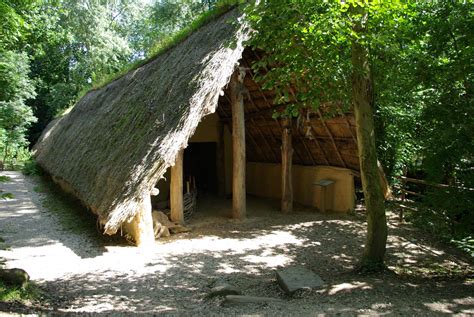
362, 98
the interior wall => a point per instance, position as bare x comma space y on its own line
207, 131
264, 179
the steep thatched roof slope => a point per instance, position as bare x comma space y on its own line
115, 144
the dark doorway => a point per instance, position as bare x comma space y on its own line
200, 165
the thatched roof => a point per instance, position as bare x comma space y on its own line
318, 138
119, 140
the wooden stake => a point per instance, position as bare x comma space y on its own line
238, 145
176, 190
286, 168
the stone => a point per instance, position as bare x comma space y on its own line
14, 277
223, 290
296, 278
179, 229
242, 299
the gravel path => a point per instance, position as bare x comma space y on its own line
86, 273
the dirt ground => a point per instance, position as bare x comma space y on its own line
82, 272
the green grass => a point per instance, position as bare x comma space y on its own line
9, 294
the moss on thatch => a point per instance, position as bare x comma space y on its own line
114, 145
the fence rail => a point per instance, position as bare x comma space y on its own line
404, 191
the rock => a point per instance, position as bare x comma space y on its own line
179, 229
163, 226
242, 299
295, 278
223, 290
14, 277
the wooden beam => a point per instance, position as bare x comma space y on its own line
286, 168
220, 164
176, 190
238, 144
257, 127
332, 139
318, 144
308, 151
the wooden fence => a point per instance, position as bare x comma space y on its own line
404, 191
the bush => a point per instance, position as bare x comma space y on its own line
30, 167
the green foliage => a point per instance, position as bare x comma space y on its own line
30, 167
9, 294
466, 244
15, 116
192, 22
3, 194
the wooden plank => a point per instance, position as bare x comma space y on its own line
238, 145
286, 168
176, 190
423, 182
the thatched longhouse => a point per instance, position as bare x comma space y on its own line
114, 146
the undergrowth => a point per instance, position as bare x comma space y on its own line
9, 294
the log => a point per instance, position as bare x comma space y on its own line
286, 168
176, 189
238, 145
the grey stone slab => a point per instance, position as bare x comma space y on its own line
295, 278
242, 299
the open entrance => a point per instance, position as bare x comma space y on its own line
200, 167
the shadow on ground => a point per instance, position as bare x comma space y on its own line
426, 278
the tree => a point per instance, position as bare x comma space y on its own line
327, 50
363, 102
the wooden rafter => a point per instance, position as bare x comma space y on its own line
319, 144
332, 138
257, 127
255, 145
304, 144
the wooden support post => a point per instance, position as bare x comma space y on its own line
140, 228
238, 145
286, 168
220, 160
176, 190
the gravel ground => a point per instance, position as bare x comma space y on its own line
83, 272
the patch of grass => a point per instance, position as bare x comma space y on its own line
30, 167
3, 194
9, 294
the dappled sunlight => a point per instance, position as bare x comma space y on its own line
462, 306
348, 287
87, 273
